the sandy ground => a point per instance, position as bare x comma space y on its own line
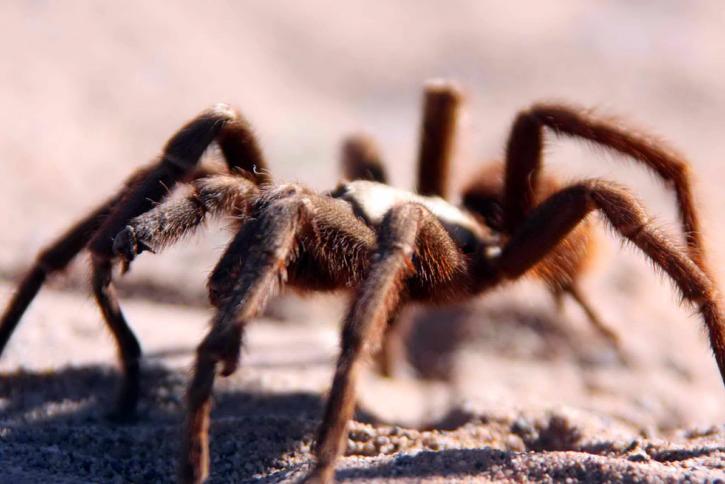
502, 388
525, 395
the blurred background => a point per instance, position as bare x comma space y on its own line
91, 90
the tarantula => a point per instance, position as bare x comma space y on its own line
391, 246
180, 164
386, 245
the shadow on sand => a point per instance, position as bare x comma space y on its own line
53, 424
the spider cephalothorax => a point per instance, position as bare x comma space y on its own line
390, 247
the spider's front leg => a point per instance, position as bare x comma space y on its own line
144, 189
408, 231
361, 160
209, 197
53, 258
551, 221
178, 162
263, 267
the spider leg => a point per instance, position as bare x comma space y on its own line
263, 267
441, 102
608, 333
557, 294
56, 257
441, 106
285, 222
143, 190
179, 159
52, 259
551, 221
242, 152
165, 224
129, 349
361, 159
524, 163
376, 299
392, 350
573, 290
178, 162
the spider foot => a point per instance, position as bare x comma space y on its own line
224, 346
125, 409
127, 246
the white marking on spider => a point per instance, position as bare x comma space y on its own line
376, 199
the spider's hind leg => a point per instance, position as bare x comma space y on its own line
604, 330
52, 259
524, 160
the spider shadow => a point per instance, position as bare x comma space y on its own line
435, 335
52, 423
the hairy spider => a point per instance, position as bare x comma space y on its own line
179, 163
390, 247
141, 192
386, 245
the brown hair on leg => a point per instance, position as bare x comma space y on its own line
129, 350
376, 299
393, 350
441, 103
165, 224
557, 216
179, 160
194, 458
524, 162
242, 152
266, 242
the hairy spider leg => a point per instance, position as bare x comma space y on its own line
552, 220
55, 257
408, 232
287, 225
441, 103
180, 157
524, 162
523, 179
